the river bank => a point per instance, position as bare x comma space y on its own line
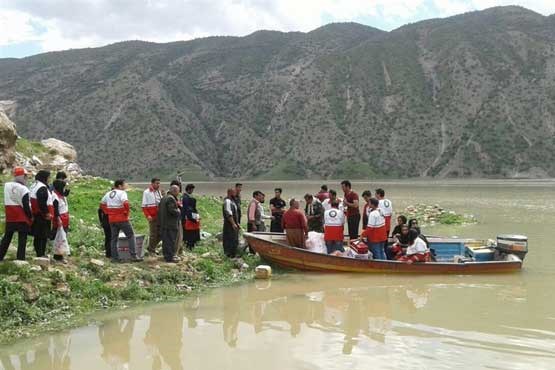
37, 299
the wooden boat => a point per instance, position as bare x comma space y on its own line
454, 256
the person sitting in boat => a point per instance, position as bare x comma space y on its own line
334, 219
413, 224
400, 242
417, 250
401, 221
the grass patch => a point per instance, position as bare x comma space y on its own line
64, 295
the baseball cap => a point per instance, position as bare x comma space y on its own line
19, 171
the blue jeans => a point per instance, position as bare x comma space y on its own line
334, 245
378, 250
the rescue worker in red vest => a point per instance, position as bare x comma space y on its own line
386, 207
18, 213
375, 231
151, 200
42, 206
417, 250
334, 219
116, 205
61, 211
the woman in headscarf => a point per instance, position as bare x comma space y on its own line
413, 224
190, 218
401, 242
401, 221
61, 212
417, 250
42, 206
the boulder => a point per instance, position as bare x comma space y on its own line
30, 292
96, 262
43, 262
8, 137
19, 263
61, 147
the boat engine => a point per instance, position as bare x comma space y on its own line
513, 244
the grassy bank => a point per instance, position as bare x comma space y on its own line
35, 300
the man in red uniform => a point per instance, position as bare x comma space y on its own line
334, 220
18, 213
295, 225
116, 205
350, 201
375, 232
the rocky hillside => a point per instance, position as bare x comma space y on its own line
471, 95
51, 154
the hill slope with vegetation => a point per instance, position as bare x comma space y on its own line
470, 95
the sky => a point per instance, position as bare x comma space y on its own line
30, 27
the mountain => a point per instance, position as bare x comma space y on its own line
469, 95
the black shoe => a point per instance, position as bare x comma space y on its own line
136, 259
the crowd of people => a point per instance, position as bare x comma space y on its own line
327, 213
174, 220
38, 211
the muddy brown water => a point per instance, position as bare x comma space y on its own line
314, 321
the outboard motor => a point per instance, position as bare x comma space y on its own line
513, 244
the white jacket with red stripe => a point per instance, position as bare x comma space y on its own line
35, 203
334, 219
14, 192
151, 201
116, 205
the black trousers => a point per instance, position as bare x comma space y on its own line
107, 240
22, 230
230, 240
168, 236
41, 230
352, 224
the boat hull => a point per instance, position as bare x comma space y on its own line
274, 250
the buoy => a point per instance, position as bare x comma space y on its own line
263, 272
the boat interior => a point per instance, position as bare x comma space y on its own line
454, 250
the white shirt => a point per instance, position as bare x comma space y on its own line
327, 204
418, 247
386, 207
375, 219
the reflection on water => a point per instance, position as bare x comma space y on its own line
315, 321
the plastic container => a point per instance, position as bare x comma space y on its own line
123, 247
263, 272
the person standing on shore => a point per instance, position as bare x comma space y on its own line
169, 223
42, 206
61, 212
237, 200
255, 213
350, 201
179, 240
18, 213
190, 218
105, 223
295, 226
386, 207
230, 234
314, 212
116, 205
151, 201
277, 207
